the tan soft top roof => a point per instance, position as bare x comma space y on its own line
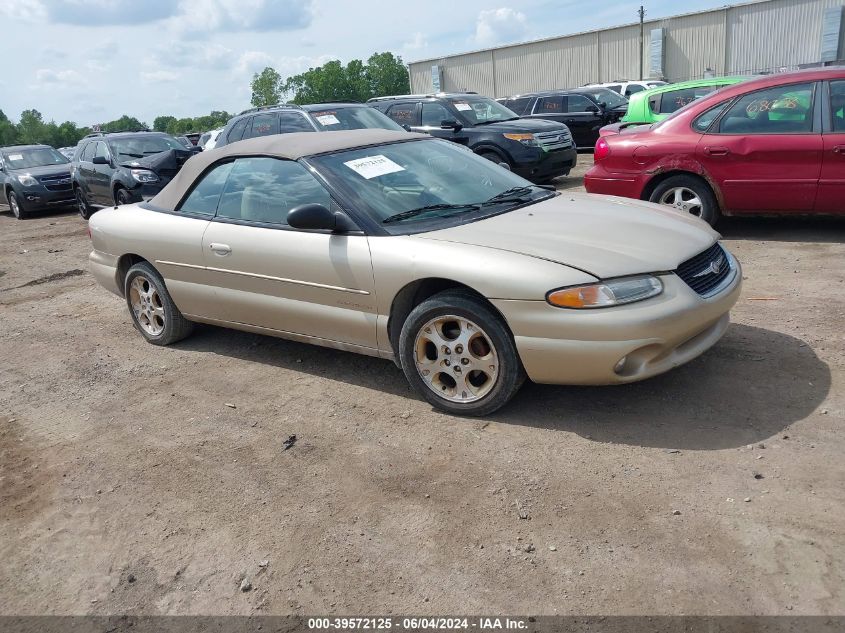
286, 146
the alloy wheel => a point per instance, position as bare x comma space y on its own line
147, 305
684, 199
14, 205
456, 359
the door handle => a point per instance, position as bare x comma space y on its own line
839, 149
220, 249
717, 151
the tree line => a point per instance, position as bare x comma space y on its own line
382, 74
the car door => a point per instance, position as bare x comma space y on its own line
765, 151
85, 170
100, 179
269, 275
551, 108
583, 119
3, 180
831, 193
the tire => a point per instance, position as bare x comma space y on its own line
82, 205
122, 196
152, 309
493, 157
16, 206
683, 192
451, 318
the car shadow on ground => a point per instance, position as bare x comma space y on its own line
750, 387
784, 229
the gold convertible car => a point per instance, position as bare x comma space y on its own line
415, 249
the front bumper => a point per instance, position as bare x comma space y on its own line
585, 347
542, 164
38, 198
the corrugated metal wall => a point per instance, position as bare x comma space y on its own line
753, 37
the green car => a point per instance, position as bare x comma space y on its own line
651, 106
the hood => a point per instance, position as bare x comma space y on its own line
523, 125
45, 170
172, 159
602, 235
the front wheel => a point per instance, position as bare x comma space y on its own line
688, 194
121, 196
16, 207
152, 309
82, 205
459, 355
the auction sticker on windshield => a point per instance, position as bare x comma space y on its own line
328, 119
15, 156
373, 166
463, 106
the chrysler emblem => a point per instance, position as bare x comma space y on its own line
714, 268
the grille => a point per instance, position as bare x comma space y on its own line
551, 141
56, 182
704, 272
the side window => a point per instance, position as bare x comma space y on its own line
205, 195
615, 88
654, 103
705, 120
677, 99
293, 122
550, 105
518, 105
433, 114
263, 125
265, 189
632, 88
237, 131
781, 110
88, 153
837, 105
403, 113
579, 103
102, 150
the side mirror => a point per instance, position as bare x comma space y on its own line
406, 127
100, 160
195, 149
592, 108
317, 217
603, 104
451, 124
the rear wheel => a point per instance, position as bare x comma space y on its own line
16, 207
458, 354
82, 205
152, 309
688, 194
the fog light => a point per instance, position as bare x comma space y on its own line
620, 366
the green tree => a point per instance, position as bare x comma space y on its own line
161, 123
31, 128
266, 87
387, 75
123, 124
8, 130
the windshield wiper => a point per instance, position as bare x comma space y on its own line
489, 121
431, 207
514, 194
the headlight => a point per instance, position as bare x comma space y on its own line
27, 181
613, 292
144, 175
529, 140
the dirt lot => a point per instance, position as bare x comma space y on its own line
127, 485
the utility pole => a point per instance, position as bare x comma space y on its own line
641, 13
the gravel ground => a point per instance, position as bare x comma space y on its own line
128, 485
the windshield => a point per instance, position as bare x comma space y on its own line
38, 157
478, 110
604, 95
140, 146
425, 185
359, 118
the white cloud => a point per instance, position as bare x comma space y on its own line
158, 76
251, 62
416, 43
499, 26
27, 10
49, 76
243, 15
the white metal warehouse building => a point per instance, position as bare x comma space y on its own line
764, 36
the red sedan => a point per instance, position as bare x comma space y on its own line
773, 145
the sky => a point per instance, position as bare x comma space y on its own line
91, 61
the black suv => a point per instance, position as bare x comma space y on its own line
34, 177
124, 167
284, 118
537, 150
583, 110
